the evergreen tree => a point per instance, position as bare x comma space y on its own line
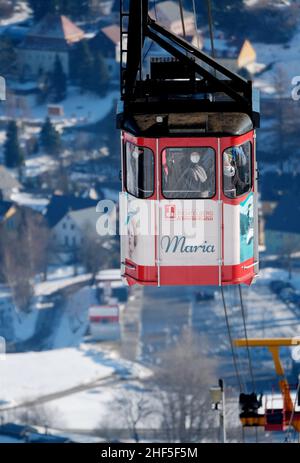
228, 12
100, 75
85, 66
8, 55
116, 5
59, 81
41, 7
92, 74
73, 8
12, 151
225, 6
50, 138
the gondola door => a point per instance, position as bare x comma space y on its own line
239, 194
138, 211
189, 238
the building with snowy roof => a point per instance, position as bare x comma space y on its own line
72, 220
107, 42
54, 36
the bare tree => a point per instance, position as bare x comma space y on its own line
290, 246
15, 271
24, 253
182, 382
133, 409
98, 253
90, 253
39, 415
36, 240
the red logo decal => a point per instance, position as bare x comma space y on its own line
170, 212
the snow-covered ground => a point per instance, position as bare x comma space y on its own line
37, 165
18, 326
49, 372
285, 60
269, 274
30, 200
82, 384
79, 109
15, 325
24, 324
278, 3
98, 408
22, 12
79, 404
51, 286
57, 272
9, 440
74, 323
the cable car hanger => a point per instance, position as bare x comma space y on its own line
272, 419
218, 90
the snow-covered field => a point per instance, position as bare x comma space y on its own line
51, 286
16, 326
80, 403
49, 372
13, 324
29, 200
22, 12
24, 324
79, 109
37, 165
92, 373
286, 66
269, 274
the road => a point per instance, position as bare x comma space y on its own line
160, 315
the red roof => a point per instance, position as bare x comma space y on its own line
58, 27
113, 33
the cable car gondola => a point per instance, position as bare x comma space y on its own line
188, 209
272, 413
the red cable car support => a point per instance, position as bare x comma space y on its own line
271, 418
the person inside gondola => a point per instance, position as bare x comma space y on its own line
233, 185
187, 174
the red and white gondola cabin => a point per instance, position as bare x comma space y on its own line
188, 209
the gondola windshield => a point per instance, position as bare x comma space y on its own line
189, 173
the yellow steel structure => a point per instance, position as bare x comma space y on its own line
274, 346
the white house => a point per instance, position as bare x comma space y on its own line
74, 228
54, 36
72, 220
